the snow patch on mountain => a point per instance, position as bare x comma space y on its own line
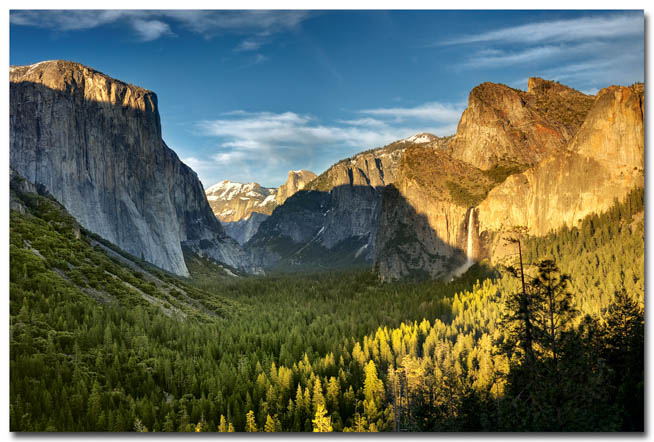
420, 138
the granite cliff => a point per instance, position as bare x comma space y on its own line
424, 219
602, 163
296, 181
423, 206
507, 126
333, 221
95, 144
538, 159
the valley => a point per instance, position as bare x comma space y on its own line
385, 293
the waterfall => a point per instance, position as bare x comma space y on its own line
469, 249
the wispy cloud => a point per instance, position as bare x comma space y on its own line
584, 28
440, 112
258, 22
249, 44
586, 52
150, 25
536, 54
621, 67
290, 133
367, 121
150, 30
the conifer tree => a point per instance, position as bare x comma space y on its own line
139, 427
333, 392
222, 427
321, 422
250, 422
624, 337
373, 388
360, 424
270, 425
317, 398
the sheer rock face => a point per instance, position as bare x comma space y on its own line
422, 229
244, 229
296, 181
502, 125
602, 163
338, 210
95, 144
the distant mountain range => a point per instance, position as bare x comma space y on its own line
423, 206
234, 204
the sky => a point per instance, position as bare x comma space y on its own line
249, 95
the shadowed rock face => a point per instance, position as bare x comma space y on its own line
423, 228
518, 158
336, 213
244, 229
95, 144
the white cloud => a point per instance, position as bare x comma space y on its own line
621, 67
584, 28
440, 112
367, 121
259, 58
197, 164
288, 130
151, 29
70, 20
210, 23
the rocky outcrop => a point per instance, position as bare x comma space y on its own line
373, 168
502, 125
602, 163
296, 181
95, 144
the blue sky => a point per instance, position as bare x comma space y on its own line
250, 95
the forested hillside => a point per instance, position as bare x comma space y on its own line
102, 341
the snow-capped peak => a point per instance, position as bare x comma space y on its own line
420, 138
224, 184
